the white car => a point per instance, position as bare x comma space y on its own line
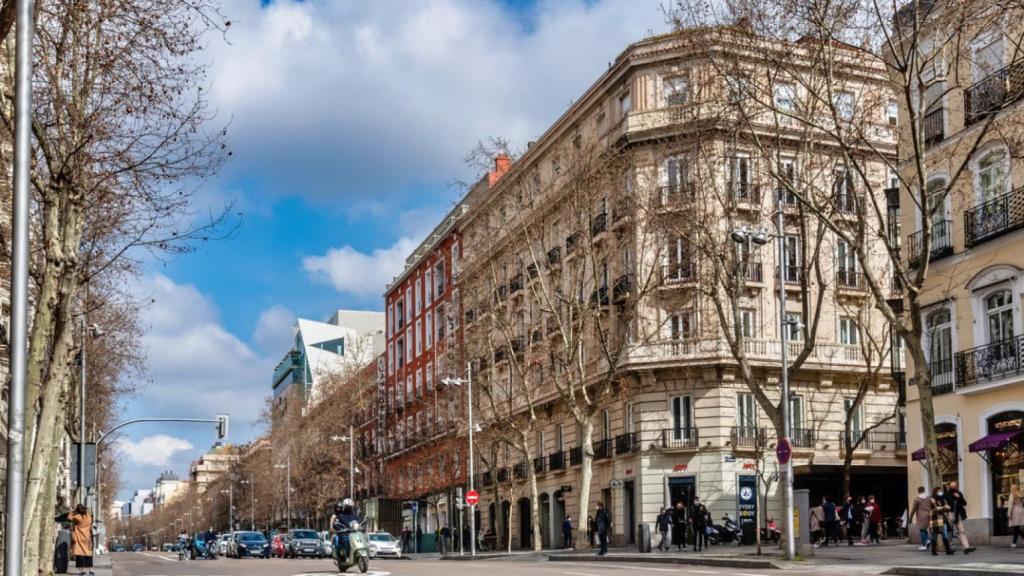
328, 546
222, 544
384, 544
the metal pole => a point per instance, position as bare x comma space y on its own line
231, 505
13, 533
252, 504
787, 468
81, 418
351, 462
288, 474
469, 409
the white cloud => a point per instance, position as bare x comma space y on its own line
371, 99
274, 330
350, 271
153, 450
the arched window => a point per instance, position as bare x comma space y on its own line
939, 326
992, 175
999, 312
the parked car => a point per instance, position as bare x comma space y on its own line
325, 537
222, 544
117, 548
277, 546
250, 544
167, 547
232, 552
302, 542
138, 547
384, 544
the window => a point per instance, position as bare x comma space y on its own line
560, 437
428, 333
418, 338
540, 443
793, 329
441, 308
400, 314
784, 97
418, 383
681, 326
739, 87
791, 259
625, 103
992, 176
630, 418
455, 251
606, 425
746, 415
428, 291
679, 265
999, 312
739, 177
988, 55
682, 417
796, 412
676, 91
844, 105
843, 191
417, 296
676, 174
391, 359
849, 332
428, 377
748, 325
939, 330
439, 279
846, 259
856, 418
401, 352
935, 192
892, 113
408, 305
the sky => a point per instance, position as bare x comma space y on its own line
348, 122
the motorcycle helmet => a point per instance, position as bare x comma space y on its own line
338, 507
347, 505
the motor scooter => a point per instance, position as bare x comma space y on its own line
358, 553
731, 527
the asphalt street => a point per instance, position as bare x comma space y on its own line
156, 564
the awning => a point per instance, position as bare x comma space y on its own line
920, 455
992, 441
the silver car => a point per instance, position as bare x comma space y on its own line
303, 542
384, 544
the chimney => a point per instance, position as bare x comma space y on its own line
502, 164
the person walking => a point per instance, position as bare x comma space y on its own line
699, 523
851, 515
81, 538
679, 526
663, 522
591, 531
828, 510
567, 533
603, 523
939, 508
1016, 513
958, 509
445, 535
921, 515
817, 516
874, 519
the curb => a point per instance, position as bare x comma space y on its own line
952, 570
696, 561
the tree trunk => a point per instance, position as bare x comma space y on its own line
931, 445
586, 475
531, 478
847, 470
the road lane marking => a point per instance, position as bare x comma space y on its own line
579, 574
658, 569
158, 556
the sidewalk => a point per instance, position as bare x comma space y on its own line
101, 565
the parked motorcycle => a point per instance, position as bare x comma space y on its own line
733, 529
358, 547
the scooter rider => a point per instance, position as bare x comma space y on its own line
343, 517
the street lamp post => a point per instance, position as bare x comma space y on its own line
759, 237
288, 489
252, 502
351, 458
96, 332
468, 383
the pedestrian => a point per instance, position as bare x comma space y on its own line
851, 517
567, 533
603, 524
406, 540
591, 532
958, 509
445, 534
699, 524
921, 515
817, 521
81, 538
828, 510
679, 526
663, 523
874, 519
939, 508
1016, 513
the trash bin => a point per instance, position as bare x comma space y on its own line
62, 551
643, 541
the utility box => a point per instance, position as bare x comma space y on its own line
90, 465
643, 540
802, 522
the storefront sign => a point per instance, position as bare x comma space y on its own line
629, 471
680, 467
746, 500
1007, 425
749, 466
945, 434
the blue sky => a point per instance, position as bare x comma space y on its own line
348, 119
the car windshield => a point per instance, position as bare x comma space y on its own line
250, 537
382, 538
305, 534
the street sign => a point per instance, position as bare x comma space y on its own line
783, 451
472, 497
615, 484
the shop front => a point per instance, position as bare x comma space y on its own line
1002, 449
949, 461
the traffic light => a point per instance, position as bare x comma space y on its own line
222, 426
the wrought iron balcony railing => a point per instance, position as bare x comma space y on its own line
801, 437
603, 449
851, 280
556, 461
680, 273
994, 218
675, 195
538, 465
748, 437
942, 242
989, 95
626, 443
679, 437
576, 456
555, 256
943, 377
934, 125
995, 361
599, 224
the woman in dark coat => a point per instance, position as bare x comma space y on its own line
679, 526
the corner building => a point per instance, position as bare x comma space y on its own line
683, 423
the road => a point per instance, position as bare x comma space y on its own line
155, 564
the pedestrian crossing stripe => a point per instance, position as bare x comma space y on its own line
351, 571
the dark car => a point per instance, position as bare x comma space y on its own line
303, 542
251, 544
138, 547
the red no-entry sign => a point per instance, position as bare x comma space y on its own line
472, 497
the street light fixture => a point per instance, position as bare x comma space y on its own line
351, 458
96, 332
761, 237
252, 497
288, 467
468, 383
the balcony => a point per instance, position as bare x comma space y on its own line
942, 376
622, 288
515, 284
599, 224
882, 441
748, 437
994, 218
603, 449
752, 272
801, 437
942, 242
599, 297
501, 293
682, 273
531, 272
679, 438
793, 275
536, 336
576, 456
519, 471
851, 280
626, 443
995, 361
675, 196
746, 193
622, 210
554, 256
934, 125
486, 479
556, 461
845, 203
538, 465
989, 95
790, 202
571, 241
502, 474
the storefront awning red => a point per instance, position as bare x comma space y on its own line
920, 455
994, 441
